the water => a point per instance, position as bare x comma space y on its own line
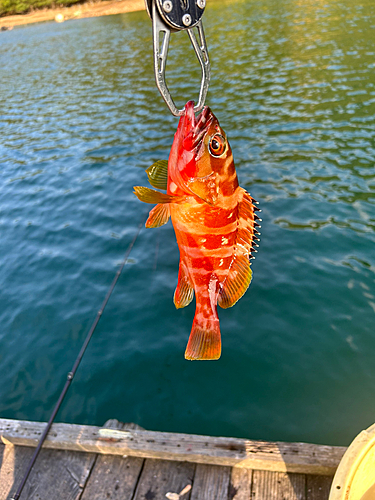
293, 86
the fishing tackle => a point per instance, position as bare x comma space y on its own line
170, 16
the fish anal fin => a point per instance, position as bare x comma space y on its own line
158, 174
151, 196
204, 341
184, 292
158, 216
236, 283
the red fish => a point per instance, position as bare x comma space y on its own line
214, 220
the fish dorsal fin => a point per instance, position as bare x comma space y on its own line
151, 196
240, 274
206, 188
184, 292
158, 174
159, 215
247, 232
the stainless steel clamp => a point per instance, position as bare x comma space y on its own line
171, 16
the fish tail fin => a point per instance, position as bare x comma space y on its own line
205, 340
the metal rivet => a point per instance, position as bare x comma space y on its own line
167, 6
201, 4
186, 19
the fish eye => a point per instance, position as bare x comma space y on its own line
217, 145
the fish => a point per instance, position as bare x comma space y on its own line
215, 223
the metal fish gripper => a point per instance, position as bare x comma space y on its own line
170, 16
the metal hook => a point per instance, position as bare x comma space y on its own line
161, 54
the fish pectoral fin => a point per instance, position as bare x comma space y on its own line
184, 292
158, 174
236, 283
206, 188
159, 215
151, 196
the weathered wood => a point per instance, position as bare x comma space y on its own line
278, 486
160, 477
318, 487
56, 473
113, 423
273, 456
211, 482
59, 474
240, 484
113, 476
13, 462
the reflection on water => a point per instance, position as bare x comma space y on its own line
293, 86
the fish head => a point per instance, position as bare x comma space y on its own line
201, 158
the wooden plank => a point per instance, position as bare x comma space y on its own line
58, 474
211, 482
318, 487
278, 486
113, 423
113, 477
162, 477
13, 462
273, 456
240, 484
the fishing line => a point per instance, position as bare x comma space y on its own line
76, 364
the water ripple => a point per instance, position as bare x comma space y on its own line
293, 86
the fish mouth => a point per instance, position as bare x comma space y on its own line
195, 128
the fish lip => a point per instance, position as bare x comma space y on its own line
189, 116
203, 123
196, 127
202, 119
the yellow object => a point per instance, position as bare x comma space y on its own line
355, 476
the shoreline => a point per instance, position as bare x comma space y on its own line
77, 11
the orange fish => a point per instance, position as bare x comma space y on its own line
214, 220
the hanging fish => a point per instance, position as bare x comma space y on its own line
214, 220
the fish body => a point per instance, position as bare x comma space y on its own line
214, 221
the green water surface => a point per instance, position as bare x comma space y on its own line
293, 85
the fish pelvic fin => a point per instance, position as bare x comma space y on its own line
158, 174
159, 215
151, 196
184, 292
205, 340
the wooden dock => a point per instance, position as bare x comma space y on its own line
124, 462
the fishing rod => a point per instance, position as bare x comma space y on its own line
71, 374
